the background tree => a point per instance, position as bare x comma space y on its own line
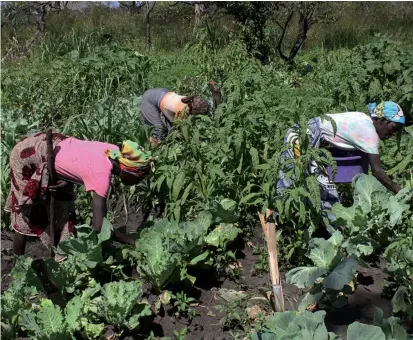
149, 7
298, 18
132, 6
252, 17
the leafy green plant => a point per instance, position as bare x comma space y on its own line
302, 325
295, 325
399, 257
330, 277
48, 322
374, 219
234, 313
17, 297
117, 303
179, 334
261, 264
120, 304
183, 304
165, 249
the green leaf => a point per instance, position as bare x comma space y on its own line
119, 300
74, 313
93, 331
106, 231
398, 301
311, 298
254, 157
402, 165
314, 190
204, 220
323, 254
341, 275
228, 204
222, 235
303, 277
341, 212
246, 199
336, 238
50, 318
297, 326
199, 258
359, 331
27, 321
177, 185
364, 187
392, 329
140, 311
395, 209
281, 321
186, 193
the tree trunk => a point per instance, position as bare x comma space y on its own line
305, 24
39, 11
199, 9
149, 7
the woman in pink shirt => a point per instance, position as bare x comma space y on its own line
76, 161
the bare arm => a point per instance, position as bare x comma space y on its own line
99, 212
381, 175
216, 94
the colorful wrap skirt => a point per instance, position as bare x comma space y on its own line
329, 193
28, 197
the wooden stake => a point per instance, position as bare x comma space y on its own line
271, 237
50, 166
263, 225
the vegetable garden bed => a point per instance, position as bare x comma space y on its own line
207, 324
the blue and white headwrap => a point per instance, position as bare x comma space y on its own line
389, 110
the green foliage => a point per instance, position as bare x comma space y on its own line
330, 277
164, 250
183, 303
307, 325
87, 247
234, 310
399, 256
375, 218
46, 323
17, 297
293, 325
68, 85
222, 235
216, 171
119, 304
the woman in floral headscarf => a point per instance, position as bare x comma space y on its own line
354, 131
76, 161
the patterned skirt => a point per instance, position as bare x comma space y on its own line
329, 193
28, 199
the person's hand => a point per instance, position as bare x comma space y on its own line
213, 86
153, 141
59, 185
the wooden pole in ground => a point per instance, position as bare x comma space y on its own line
271, 238
50, 166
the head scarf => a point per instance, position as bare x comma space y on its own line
132, 157
388, 110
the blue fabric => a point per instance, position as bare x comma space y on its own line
389, 110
